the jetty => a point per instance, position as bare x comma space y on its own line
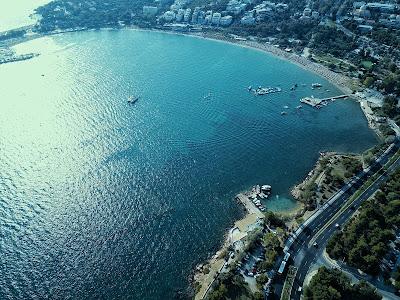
319, 102
17, 58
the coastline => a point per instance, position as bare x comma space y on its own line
237, 236
341, 82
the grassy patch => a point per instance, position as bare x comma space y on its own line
367, 64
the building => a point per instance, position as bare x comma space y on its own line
248, 20
186, 16
208, 17
307, 12
315, 15
216, 17
226, 21
169, 16
180, 14
201, 17
365, 28
382, 7
357, 5
195, 15
235, 7
263, 13
150, 11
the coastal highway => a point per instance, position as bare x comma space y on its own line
303, 253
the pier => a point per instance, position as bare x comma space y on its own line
17, 58
318, 103
249, 206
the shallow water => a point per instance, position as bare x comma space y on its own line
102, 199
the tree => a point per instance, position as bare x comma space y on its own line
389, 107
332, 284
369, 81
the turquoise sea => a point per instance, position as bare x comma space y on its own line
100, 199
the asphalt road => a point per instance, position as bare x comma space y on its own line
304, 255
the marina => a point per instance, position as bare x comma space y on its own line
254, 197
318, 103
260, 91
17, 58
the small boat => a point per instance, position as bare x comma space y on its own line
316, 85
286, 107
266, 188
283, 113
299, 106
267, 90
207, 96
132, 99
249, 88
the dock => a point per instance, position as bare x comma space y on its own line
250, 207
318, 103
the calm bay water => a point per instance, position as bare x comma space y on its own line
102, 199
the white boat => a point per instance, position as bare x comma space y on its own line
266, 188
316, 85
132, 99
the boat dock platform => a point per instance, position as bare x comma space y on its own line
249, 206
318, 103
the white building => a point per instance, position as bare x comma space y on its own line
226, 21
365, 28
307, 12
208, 17
169, 16
180, 14
201, 18
186, 16
150, 11
383, 7
263, 13
195, 14
216, 17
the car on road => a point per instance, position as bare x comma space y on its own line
337, 226
299, 289
315, 244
